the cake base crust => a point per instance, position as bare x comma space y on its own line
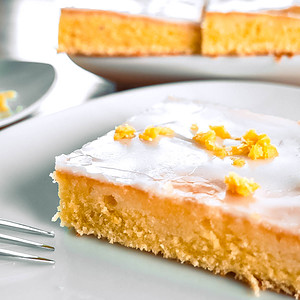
182, 229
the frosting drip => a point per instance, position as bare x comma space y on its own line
179, 167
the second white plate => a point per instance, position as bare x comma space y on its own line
135, 71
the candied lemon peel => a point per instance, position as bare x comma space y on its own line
253, 145
241, 186
195, 128
220, 131
152, 132
238, 162
124, 132
3, 100
208, 140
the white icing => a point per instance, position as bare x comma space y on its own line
250, 5
164, 167
186, 10
180, 10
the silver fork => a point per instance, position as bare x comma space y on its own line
29, 229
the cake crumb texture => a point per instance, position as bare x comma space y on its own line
202, 235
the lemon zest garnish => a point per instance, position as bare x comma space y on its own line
194, 127
242, 149
220, 152
240, 185
3, 100
238, 162
124, 132
153, 132
208, 140
255, 146
220, 131
263, 149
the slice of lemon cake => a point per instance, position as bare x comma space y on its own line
201, 183
154, 30
239, 27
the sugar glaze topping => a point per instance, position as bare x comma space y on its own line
254, 6
180, 168
176, 10
181, 10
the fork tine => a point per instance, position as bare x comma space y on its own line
25, 256
23, 227
25, 242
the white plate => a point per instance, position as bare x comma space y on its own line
87, 268
30, 80
135, 71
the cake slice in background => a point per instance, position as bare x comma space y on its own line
157, 28
240, 27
